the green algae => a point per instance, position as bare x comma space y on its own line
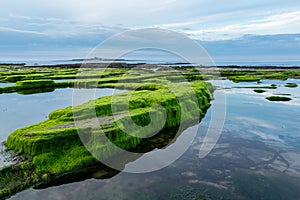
16, 178
272, 86
259, 91
33, 86
291, 85
35, 91
278, 98
54, 146
255, 75
39, 79
245, 78
15, 78
110, 77
34, 139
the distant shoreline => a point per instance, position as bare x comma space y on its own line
146, 65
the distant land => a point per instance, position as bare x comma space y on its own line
123, 63
275, 50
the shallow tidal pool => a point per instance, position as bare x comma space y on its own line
256, 157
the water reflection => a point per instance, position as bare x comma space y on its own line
257, 157
6, 84
17, 110
162, 140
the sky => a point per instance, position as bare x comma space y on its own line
35, 27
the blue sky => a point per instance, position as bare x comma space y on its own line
34, 26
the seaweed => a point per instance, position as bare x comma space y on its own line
278, 98
255, 75
291, 85
54, 146
259, 91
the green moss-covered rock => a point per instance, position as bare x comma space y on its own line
246, 75
259, 91
34, 84
15, 78
45, 136
54, 145
291, 85
278, 98
245, 78
16, 178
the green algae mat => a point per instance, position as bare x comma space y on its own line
73, 139
54, 147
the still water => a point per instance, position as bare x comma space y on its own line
6, 84
17, 110
256, 157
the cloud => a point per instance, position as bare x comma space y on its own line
274, 24
88, 11
57, 27
179, 24
221, 25
257, 122
6, 29
23, 17
200, 19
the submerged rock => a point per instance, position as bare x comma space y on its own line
278, 98
259, 91
291, 85
55, 148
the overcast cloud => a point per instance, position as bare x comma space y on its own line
35, 23
202, 19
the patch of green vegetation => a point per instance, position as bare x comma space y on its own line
291, 85
89, 78
255, 75
140, 102
15, 78
35, 84
8, 89
24, 73
54, 146
35, 91
245, 78
259, 87
16, 178
110, 77
278, 98
231, 72
259, 91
